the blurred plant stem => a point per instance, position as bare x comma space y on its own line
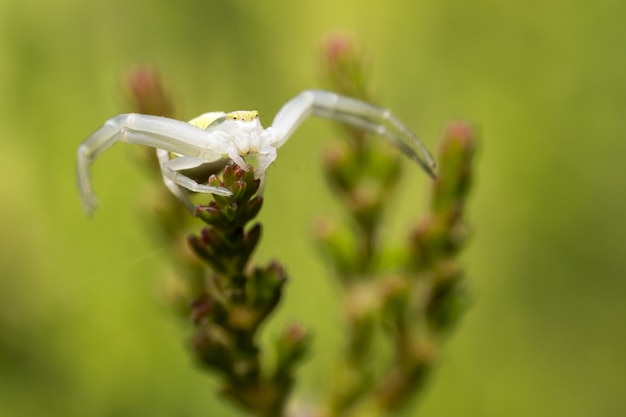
416, 302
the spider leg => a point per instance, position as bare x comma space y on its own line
157, 132
233, 154
265, 156
355, 113
427, 165
174, 180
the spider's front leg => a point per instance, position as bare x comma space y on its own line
354, 113
176, 181
265, 157
157, 132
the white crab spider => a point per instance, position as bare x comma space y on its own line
217, 135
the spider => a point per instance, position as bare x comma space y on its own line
218, 135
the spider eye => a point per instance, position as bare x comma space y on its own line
245, 116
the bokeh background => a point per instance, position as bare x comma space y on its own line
84, 326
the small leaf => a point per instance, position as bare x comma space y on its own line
291, 348
456, 154
250, 209
229, 176
239, 190
211, 214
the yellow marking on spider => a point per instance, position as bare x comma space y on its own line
243, 115
205, 120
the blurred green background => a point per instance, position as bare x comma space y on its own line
84, 327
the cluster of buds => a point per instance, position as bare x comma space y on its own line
437, 240
430, 296
239, 298
363, 172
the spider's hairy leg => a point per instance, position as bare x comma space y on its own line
157, 132
175, 180
355, 113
